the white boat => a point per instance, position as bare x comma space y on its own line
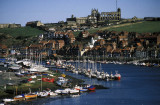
52, 94
80, 88
66, 91
37, 68
87, 73
8, 100
42, 94
70, 91
111, 76
107, 75
25, 62
58, 91
73, 91
93, 75
14, 67
62, 81
99, 77
76, 72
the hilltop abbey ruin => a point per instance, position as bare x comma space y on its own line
95, 18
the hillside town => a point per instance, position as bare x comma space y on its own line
59, 39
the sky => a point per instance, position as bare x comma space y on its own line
52, 11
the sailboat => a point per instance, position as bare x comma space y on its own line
42, 93
99, 76
38, 67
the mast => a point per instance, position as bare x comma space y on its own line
116, 5
41, 82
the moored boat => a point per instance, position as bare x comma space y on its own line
62, 81
80, 88
30, 96
2, 104
91, 88
52, 94
8, 100
42, 94
19, 98
117, 76
58, 91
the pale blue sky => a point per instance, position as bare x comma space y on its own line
50, 11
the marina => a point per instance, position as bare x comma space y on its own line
139, 81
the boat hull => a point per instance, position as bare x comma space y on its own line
30, 96
19, 98
92, 88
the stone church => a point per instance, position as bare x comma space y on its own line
95, 17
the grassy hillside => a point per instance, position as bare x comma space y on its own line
22, 31
141, 27
19, 36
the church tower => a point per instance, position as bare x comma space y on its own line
119, 13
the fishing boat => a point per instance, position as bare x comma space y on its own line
19, 98
117, 76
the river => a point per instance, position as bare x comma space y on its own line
138, 86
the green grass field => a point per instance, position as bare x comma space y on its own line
147, 26
140, 27
22, 31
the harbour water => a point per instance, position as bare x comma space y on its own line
138, 86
